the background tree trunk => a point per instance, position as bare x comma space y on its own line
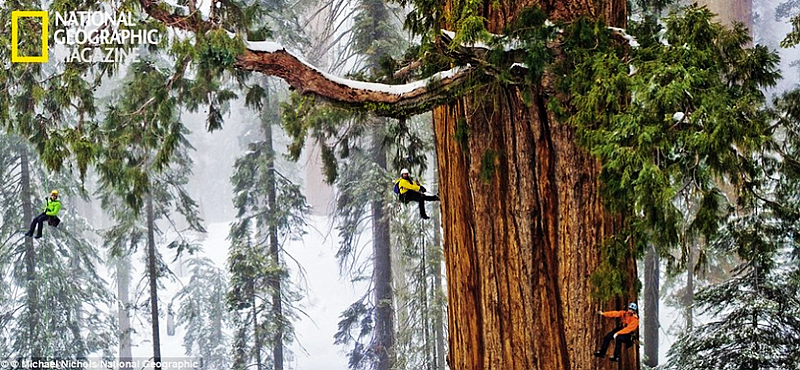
32, 291
79, 345
152, 271
688, 298
258, 342
267, 119
123, 265
651, 298
382, 266
521, 245
730, 11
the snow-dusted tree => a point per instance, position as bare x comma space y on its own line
135, 158
205, 315
364, 151
752, 319
60, 304
119, 261
271, 209
420, 301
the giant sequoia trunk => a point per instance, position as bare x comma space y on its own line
523, 223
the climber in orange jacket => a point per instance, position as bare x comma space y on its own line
621, 334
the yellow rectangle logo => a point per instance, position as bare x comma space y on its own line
15, 16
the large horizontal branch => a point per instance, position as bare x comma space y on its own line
384, 100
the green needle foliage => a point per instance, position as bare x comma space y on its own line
204, 313
271, 211
54, 105
679, 114
70, 316
752, 319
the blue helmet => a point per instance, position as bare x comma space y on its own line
633, 306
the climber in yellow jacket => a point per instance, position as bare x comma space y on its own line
411, 190
620, 334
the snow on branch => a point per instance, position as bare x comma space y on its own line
622, 32
385, 100
512, 45
399, 90
397, 101
272, 59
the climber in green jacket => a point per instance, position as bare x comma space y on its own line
50, 215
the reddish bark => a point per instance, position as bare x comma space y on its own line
520, 247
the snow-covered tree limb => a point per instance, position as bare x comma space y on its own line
384, 100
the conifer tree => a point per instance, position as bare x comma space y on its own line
37, 100
135, 162
120, 266
59, 306
420, 306
204, 313
753, 321
357, 159
271, 209
753, 316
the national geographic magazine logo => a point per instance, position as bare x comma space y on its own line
87, 36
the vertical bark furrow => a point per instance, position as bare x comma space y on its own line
485, 213
459, 250
522, 209
512, 310
551, 215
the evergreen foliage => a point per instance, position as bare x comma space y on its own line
271, 210
354, 148
355, 329
71, 313
361, 181
785, 10
147, 166
678, 114
204, 313
753, 319
419, 298
54, 105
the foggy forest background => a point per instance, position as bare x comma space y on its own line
258, 260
